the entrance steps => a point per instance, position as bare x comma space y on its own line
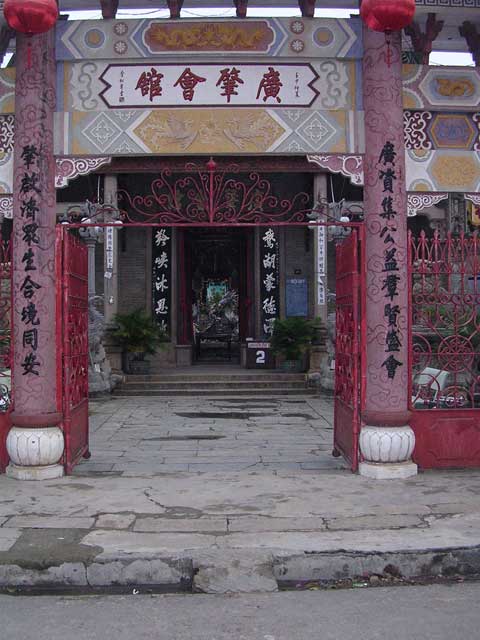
215, 384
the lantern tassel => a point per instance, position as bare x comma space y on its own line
389, 49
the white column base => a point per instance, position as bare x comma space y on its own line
35, 453
48, 472
388, 471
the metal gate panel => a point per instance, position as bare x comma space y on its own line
72, 302
347, 350
5, 348
444, 344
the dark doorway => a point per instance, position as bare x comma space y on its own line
216, 283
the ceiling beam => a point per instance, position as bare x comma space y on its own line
472, 38
307, 7
241, 7
422, 41
109, 9
175, 6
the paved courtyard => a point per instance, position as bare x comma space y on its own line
133, 436
228, 495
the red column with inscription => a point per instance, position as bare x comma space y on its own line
386, 440
35, 442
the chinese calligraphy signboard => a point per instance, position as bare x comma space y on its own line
161, 280
30, 289
391, 277
269, 280
164, 85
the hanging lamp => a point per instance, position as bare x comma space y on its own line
387, 16
30, 17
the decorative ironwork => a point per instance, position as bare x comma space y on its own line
5, 322
5, 346
347, 351
72, 303
445, 277
212, 197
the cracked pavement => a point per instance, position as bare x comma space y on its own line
219, 502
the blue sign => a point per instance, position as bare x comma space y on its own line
297, 297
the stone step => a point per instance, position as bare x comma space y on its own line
213, 377
210, 384
220, 392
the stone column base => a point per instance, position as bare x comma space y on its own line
391, 471
387, 452
35, 453
46, 472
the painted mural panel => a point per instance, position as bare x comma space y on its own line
276, 37
441, 88
442, 170
119, 132
429, 130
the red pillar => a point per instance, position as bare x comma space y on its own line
35, 442
386, 440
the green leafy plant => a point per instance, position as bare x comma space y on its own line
291, 337
138, 332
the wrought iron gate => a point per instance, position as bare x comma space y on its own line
5, 347
347, 349
72, 363
444, 350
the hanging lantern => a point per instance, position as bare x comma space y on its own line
367, 16
390, 15
30, 17
387, 16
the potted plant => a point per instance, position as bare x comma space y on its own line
290, 339
139, 335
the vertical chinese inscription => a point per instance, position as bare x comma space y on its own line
391, 278
35, 353
161, 277
385, 205
321, 266
269, 281
30, 289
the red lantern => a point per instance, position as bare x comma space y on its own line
367, 16
30, 16
387, 15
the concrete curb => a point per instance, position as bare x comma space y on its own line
238, 571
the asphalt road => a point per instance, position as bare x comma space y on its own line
402, 613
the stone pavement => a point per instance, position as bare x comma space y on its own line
132, 436
220, 495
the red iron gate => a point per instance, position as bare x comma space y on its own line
5, 347
444, 350
347, 349
72, 364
